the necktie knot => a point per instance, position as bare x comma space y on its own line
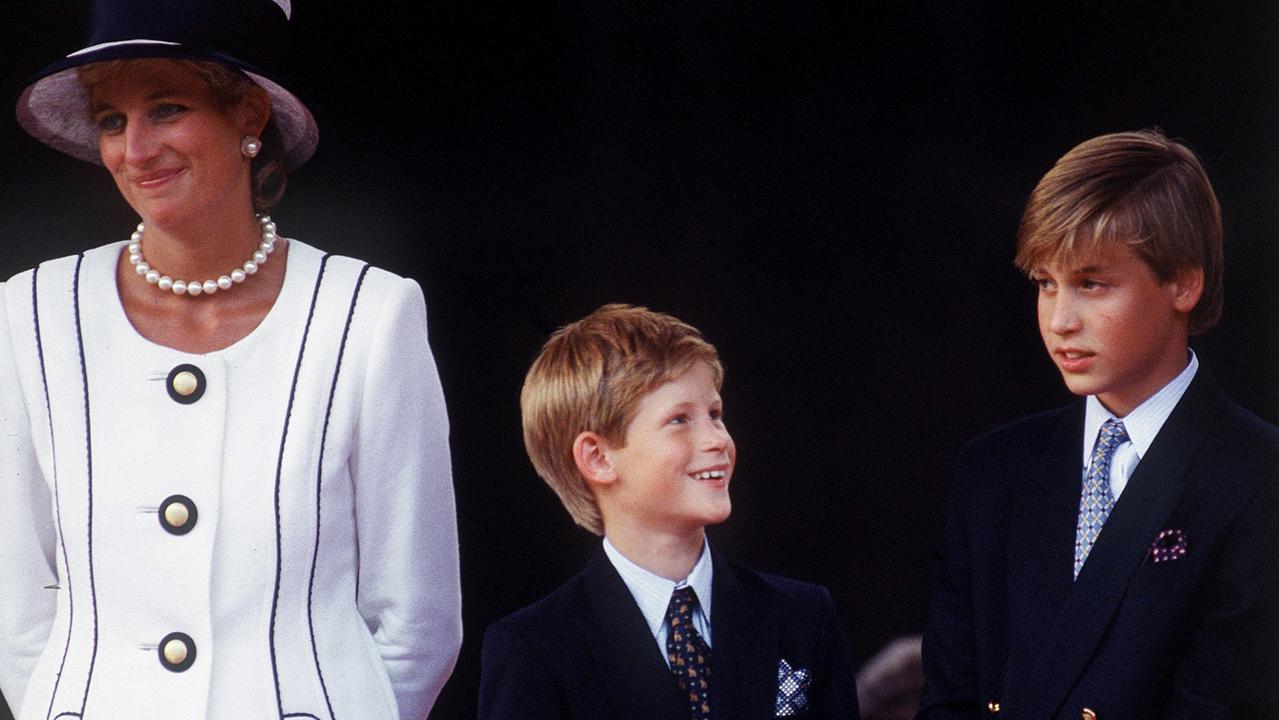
1112, 435
682, 606
1097, 499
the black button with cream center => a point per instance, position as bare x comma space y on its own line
178, 514
185, 383
177, 652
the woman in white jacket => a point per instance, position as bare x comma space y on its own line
224, 464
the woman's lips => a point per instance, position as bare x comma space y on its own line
152, 180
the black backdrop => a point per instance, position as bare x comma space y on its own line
829, 192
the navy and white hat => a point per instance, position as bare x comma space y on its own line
245, 35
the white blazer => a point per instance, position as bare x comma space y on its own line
263, 531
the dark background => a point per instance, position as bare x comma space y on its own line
830, 192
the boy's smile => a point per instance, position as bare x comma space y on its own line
1112, 328
673, 473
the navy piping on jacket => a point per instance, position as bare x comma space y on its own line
57, 499
279, 468
88, 454
319, 484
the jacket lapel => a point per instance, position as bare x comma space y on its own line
745, 652
1041, 541
630, 665
1149, 498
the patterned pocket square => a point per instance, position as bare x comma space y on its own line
1168, 545
792, 689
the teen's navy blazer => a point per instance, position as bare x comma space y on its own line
1010, 635
585, 652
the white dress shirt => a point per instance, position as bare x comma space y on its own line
653, 593
1142, 424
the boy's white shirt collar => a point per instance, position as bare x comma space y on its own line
652, 592
1142, 424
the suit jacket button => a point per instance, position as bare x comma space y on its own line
993, 707
177, 652
178, 514
186, 383
1088, 714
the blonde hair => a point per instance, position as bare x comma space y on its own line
591, 376
1137, 189
269, 170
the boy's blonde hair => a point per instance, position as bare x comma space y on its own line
1138, 189
591, 375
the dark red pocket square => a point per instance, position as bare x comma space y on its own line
1168, 545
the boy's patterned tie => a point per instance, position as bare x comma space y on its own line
688, 653
1096, 501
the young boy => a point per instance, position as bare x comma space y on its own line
1116, 558
623, 419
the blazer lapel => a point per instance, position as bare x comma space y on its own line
1149, 498
622, 647
1041, 540
744, 651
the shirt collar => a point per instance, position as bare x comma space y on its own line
652, 593
1145, 421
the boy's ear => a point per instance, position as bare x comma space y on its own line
1187, 287
592, 460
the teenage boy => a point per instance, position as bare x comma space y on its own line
623, 419
1116, 558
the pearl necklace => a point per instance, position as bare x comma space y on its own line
208, 287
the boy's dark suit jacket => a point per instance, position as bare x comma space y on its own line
1130, 638
585, 652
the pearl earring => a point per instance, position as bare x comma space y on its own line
250, 146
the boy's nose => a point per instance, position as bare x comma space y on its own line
716, 437
1062, 315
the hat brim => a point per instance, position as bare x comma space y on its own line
54, 107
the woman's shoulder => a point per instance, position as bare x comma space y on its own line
313, 257
372, 285
60, 273
366, 294
67, 265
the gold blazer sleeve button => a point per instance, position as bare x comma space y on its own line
186, 384
993, 707
177, 652
178, 514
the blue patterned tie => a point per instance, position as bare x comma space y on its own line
1096, 501
688, 653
